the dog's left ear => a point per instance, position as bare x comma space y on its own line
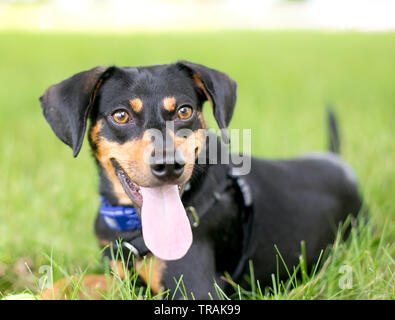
66, 105
218, 88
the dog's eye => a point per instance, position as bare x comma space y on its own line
120, 116
185, 112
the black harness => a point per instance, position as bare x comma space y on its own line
132, 242
246, 218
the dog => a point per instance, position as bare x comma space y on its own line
195, 220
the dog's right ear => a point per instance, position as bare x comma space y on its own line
66, 105
219, 89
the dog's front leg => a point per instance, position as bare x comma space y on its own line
193, 276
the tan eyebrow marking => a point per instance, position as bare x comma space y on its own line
169, 103
136, 105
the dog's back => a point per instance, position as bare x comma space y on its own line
301, 199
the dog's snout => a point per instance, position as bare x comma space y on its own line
168, 166
166, 171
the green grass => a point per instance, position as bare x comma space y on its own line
48, 200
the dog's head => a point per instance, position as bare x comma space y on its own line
147, 128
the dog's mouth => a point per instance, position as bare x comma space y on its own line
165, 225
132, 190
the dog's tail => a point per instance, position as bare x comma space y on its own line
333, 129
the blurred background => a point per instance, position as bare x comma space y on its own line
151, 15
289, 58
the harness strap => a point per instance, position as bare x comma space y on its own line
246, 216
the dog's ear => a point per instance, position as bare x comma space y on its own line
218, 88
66, 105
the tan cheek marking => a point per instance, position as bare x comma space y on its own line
94, 133
169, 103
151, 271
188, 145
131, 155
136, 105
99, 152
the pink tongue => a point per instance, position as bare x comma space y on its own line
166, 228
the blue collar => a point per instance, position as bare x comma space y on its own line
120, 218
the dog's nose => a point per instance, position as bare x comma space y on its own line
170, 166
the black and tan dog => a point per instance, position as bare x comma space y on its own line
279, 202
